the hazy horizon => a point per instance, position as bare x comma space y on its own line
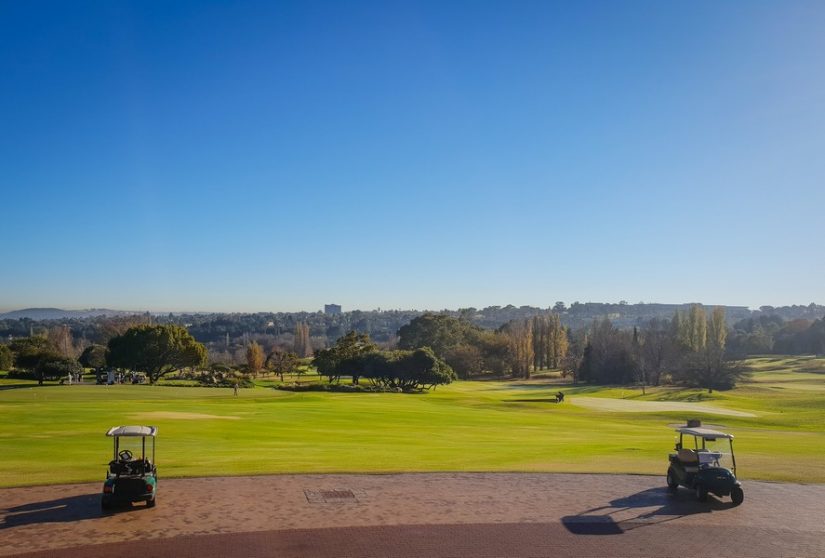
320, 308
238, 157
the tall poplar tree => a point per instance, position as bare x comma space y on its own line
697, 328
254, 357
302, 346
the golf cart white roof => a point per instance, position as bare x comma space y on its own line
703, 432
133, 431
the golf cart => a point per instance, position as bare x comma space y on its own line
708, 466
130, 479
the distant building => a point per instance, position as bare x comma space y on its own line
332, 309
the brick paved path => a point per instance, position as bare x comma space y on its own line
443, 514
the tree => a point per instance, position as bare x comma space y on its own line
440, 332
328, 361
707, 365
495, 351
29, 351
156, 350
302, 345
710, 371
659, 350
465, 360
118, 325
93, 356
282, 362
608, 357
577, 343
254, 357
61, 337
56, 368
405, 370
696, 328
717, 331
520, 336
6, 358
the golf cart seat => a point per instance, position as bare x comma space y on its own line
687, 456
134, 467
689, 459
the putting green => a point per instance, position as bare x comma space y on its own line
173, 415
636, 406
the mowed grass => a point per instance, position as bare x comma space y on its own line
55, 434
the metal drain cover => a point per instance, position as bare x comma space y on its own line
333, 496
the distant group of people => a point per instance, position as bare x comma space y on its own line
560, 397
111, 377
72, 378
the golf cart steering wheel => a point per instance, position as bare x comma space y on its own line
125, 455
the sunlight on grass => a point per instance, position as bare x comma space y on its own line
55, 434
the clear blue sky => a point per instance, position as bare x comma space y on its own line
248, 156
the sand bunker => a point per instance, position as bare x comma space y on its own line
173, 415
629, 406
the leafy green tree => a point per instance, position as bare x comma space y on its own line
29, 351
156, 350
405, 370
6, 358
353, 344
93, 356
57, 368
437, 331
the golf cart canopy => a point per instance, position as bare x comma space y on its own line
705, 433
136, 431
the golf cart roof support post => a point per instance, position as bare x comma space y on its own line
732, 456
143, 448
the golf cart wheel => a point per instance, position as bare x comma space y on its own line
737, 495
701, 493
150, 503
672, 483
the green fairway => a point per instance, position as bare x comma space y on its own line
55, 434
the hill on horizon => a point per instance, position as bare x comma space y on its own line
60, 314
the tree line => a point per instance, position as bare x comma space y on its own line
778, 330
689, 349
692, 347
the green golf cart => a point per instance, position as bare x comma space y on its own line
130, 478
704, 462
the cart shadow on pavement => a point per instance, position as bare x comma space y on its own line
60, 510
648, 507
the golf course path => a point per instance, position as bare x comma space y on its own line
436, 514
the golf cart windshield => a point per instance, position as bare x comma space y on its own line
713, 448
130, 442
